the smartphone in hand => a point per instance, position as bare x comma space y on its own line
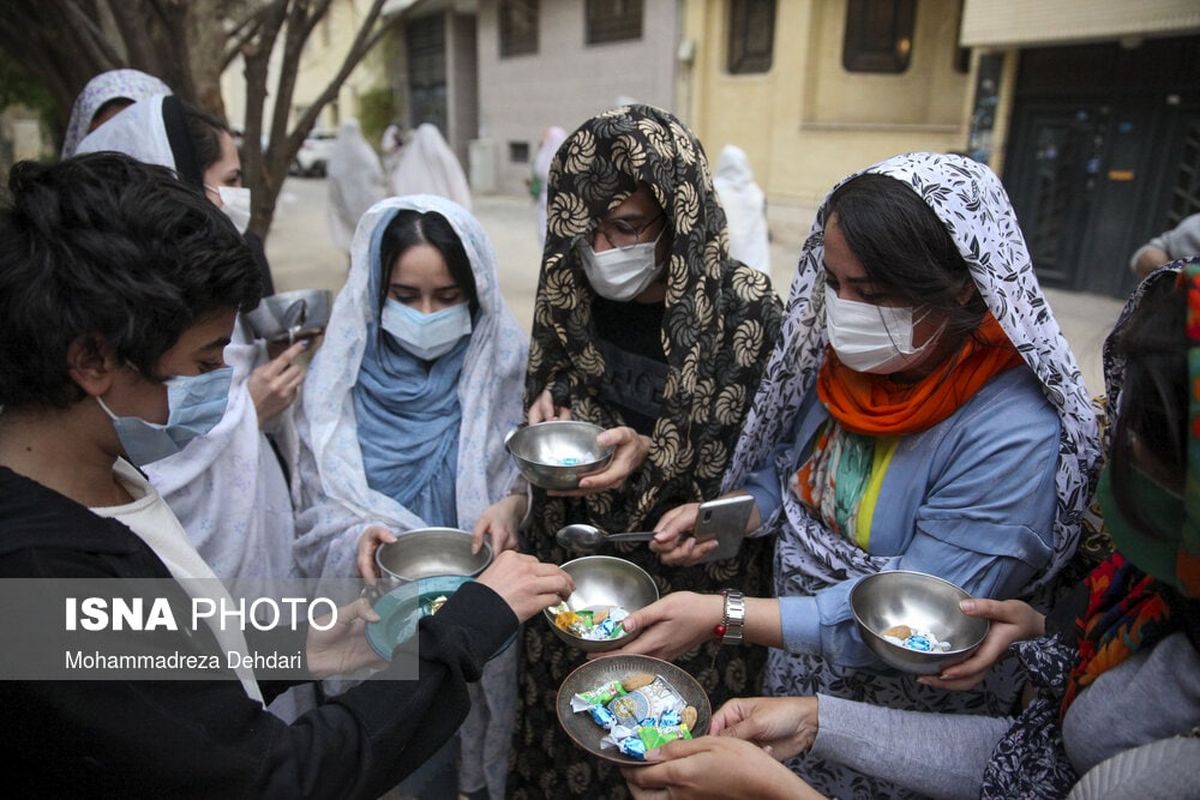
724, 519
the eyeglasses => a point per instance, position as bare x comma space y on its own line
623, 233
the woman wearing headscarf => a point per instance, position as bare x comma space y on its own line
106, 95
745, 208
921, 411
1115, 663
427, 165
645, 326
356, 182
403, 419
539, 185
227, 487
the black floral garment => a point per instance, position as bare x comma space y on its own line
720, 322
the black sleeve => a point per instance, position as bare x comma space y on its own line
208, 739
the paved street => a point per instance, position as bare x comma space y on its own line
302, 256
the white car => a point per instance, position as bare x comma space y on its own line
314, 153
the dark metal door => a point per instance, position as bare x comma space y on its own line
1052, 179
1103, 153
425, 40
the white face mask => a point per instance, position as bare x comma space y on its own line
621, 273
868, 338
235, 202
426, 336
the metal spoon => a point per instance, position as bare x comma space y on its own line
588, 537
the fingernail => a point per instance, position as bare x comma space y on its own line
967, 606
629, 625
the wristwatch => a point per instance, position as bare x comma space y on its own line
733, 618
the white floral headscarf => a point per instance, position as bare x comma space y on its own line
130, 84
971, 202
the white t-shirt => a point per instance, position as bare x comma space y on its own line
152, 520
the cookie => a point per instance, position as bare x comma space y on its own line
637, 681
901, 632
689, 717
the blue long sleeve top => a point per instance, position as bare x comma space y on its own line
971, 500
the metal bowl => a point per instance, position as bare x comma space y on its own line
604, 581
587, 734
430, 553
922, 602
291, 315
402, 608
556, 454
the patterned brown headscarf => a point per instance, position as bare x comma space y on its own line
720, 321
719, 325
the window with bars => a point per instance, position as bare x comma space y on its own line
613, 21
518, 152
751, 36
879, 35
518, 27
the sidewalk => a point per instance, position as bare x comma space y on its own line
302, 256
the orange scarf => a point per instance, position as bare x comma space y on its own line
877, 406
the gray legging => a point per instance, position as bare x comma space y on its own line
938, 755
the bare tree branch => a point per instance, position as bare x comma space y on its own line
247, 33
91, 36
317, 15
256, 55
363, 42
132, 27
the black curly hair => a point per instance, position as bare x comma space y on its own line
112, 250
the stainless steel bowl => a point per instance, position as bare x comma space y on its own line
430, 553
556, 454
291, 315
587, 734
922, 602
604, 581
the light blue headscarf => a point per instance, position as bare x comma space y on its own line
408, 416
347, 478
334, 502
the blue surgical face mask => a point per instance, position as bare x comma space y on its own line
426, 336
195, 405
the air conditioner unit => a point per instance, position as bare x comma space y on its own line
483, 165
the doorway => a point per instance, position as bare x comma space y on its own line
1104, 153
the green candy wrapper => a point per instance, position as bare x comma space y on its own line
654, 737
600, 696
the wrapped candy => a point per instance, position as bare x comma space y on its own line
655, 736
644, 713
649, 702
920, 641
595, 625
601, 695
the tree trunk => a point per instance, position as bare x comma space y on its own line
188, 43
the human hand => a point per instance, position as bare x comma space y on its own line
671, 626
526, 584
368, 543
343, 648
785, 726
1012, 621
714, 767
274, 386
673, 539
500, 521
543, 409
632, 449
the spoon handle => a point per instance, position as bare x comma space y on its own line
640, 536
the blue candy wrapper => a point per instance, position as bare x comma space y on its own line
603, 717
